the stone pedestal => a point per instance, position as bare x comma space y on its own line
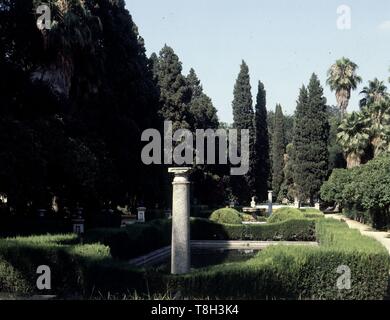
317, 206
181, 250
270, 200
297, 203
78, 222
41, 213
141, 214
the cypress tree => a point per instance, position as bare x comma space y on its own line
311, 141
201, 107
262, 163
153, 66
287, 189
278, 150
175, 95
242, 103
243, 116
204, 177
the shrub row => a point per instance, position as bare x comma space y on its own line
282, 272
134, 240
75, 269
279, 272
139, 239
290, 230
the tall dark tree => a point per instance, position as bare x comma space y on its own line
153, 66
278, 150
262, 165
287, 189
201, 107
243, 117
175, 95
78, 96
311, 137
205, 117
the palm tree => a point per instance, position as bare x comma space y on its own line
342, 79
378, 114
375, 92
72, 32
354, 138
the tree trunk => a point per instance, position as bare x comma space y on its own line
343, 96
58, 75
353, 160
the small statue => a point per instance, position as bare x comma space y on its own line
253, 203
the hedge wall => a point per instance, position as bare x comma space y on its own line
281, 272
278, 272
139, 239
75, 269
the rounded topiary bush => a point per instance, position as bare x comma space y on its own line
226, 216
284, 214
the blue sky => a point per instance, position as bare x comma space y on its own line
282, 41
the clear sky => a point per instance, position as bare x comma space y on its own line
282, 41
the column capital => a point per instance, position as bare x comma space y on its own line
180, 171
181, 174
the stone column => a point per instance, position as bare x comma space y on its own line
181, 250
270, 199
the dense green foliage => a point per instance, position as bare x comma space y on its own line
295, 272
136, 240
365, 188
365, 135
291, 230
336, 155
262, 151
226, 216
132, 241
287, 189
311, 213
75, 269
201, 107
286, 272
311, 134
74, 104
243, 187
175, 94
278, 150
284, 214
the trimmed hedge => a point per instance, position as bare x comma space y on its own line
75, 269
134, 240
291, 230
226, 216
278, 272
281, 272
312, 213
284, 214
138, 239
